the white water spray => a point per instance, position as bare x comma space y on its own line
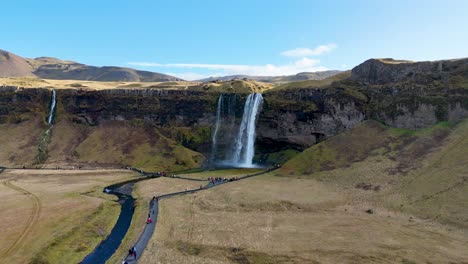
218, 124
52, 107
244, 147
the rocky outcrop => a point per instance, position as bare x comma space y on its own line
385, 71
17, 104
158, 106
301, 118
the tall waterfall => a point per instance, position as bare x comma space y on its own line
244, 147
237, 145
216, 130
52, 107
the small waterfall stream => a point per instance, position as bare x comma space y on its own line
52, 107
217, 125
42, 155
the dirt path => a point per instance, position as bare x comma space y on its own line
33, 218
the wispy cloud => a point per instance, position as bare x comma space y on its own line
304, 64
301, 65
306, 52
191, 76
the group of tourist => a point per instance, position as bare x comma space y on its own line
214, 180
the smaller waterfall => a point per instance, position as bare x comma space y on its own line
244, 147
218, 124
42, 148
52, 107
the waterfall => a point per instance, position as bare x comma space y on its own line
42, 155
218, 124
52, 107
241, 150
244, 147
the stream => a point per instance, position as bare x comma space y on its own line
108, 246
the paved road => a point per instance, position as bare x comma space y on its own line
145, 236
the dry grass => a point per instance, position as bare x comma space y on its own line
110, 144
19, 142
32, 82
102, 145
319, 216
279, 220
50, 223
234, 86
144, 192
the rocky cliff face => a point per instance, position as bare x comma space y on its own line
300, 118
385, 71
17, 105
161, 107
399, 94
413, 94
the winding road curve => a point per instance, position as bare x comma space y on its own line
33, 218
145, 236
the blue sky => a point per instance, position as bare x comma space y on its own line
201, 38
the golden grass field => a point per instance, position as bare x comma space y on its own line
315, 211
33, 82
55, 216
238, 86
272, 219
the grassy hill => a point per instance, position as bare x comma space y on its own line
422, 172
233, 86
374, 194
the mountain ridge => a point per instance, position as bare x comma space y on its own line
302, 76
12, 65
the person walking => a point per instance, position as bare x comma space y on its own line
134, 252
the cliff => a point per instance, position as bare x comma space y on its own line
294, 117
385, 71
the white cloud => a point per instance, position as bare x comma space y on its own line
191, 76
301, 65
305, 52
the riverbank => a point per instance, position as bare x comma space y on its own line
59, 216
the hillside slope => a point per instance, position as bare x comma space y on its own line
12, 65
373, 194
422, 172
